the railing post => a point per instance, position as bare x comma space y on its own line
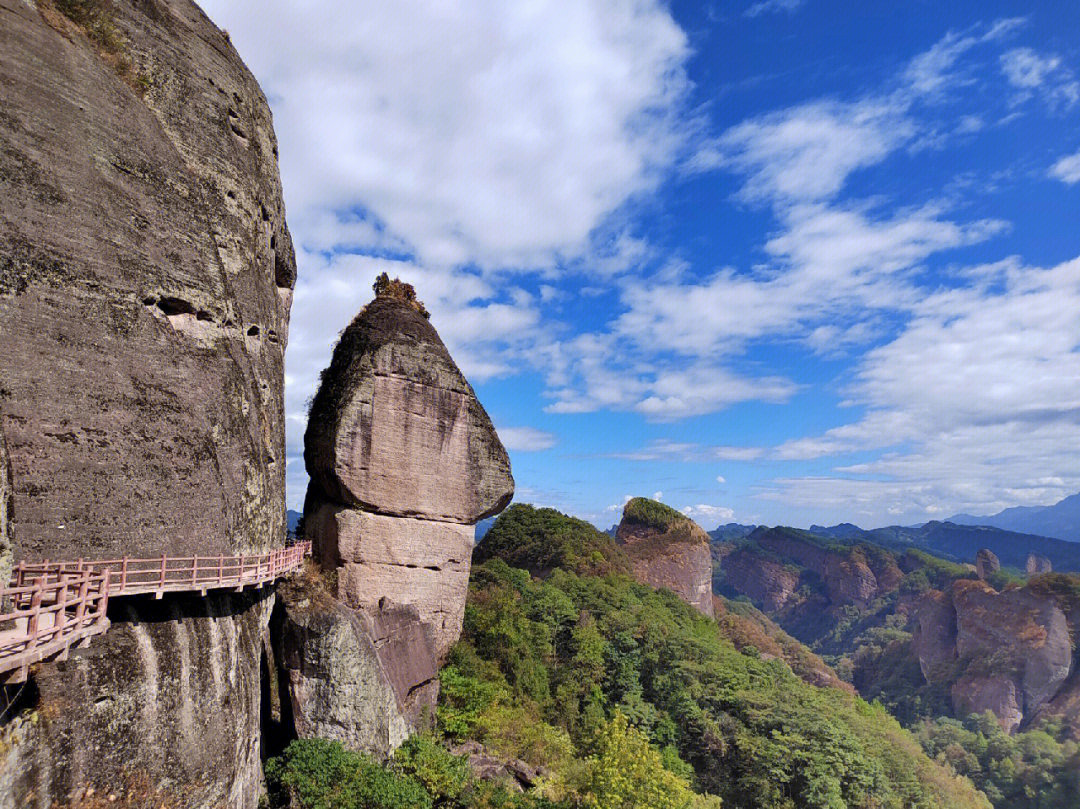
80, 608
32, 621
123, 573
103, 602
61, 606
220, 567
161, 580
194, 569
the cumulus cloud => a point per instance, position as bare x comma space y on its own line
526, 439
1067, 169
709, 515
976, 399
453, 145
499, 133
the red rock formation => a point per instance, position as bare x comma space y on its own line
403, 460
766, 582
672, 552
1012, 650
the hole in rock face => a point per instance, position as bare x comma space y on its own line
273, 242
202, 314
175, 306
265, 213
237, 130
230, 194
272, 336
253, 331
150, 301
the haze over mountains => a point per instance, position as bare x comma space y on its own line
1061, 520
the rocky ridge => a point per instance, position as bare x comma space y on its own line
667, 549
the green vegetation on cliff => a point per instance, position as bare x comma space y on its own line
544, 666
652, 513
543, 539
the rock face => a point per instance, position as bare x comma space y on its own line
986, 563
395, 428
769, 569
361, 679
403, 460
668, 549
5, 512
1010, 652
766, 582
1037, 563
146, 264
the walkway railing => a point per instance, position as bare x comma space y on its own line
49, 606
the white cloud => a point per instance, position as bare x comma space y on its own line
1067, 169
721, 479
807, 152
712, 515
977, 399
1046, 75
772, 6
489, 132
658, 496
526, 439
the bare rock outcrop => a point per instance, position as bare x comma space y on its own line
403, 460
668, 549
1009, 652
986, 563
5, 512
767, 582
146, 274
1037, 564
934, 637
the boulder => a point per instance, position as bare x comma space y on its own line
396, 429
486, 766
145, 262
986, 563
365, 679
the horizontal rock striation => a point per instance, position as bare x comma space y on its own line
403, 460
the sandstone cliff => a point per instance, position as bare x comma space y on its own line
667, 549
1009, 652
403, 460
986, 563
146, 264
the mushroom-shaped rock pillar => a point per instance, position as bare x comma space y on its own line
403, 460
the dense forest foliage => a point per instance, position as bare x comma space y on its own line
545, 665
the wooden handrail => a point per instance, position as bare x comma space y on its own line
48, 606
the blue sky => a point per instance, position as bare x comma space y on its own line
780, 261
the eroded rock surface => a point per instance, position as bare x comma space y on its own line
403, 460
986, 563
146, 274
671, 551
396, 429
1037, 563
5, 512
1009, 652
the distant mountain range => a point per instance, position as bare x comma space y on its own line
1061, 520
960, 543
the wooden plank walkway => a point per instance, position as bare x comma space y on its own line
49, 606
